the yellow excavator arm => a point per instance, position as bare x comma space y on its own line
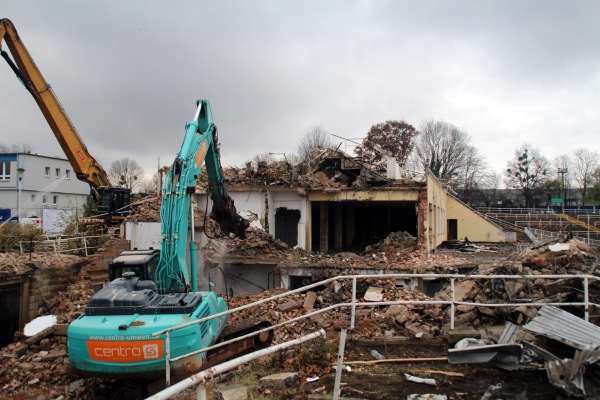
85, 166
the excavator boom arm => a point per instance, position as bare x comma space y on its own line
199, 148
85, 166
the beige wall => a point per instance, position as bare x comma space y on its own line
435, 223
374, 195
472, 225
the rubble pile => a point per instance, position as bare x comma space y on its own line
278, 173
397, 252
11, 263
563, 256
146, 209
257, 243
41, 368
371, 322
393, 243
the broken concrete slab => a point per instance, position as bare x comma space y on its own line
279, 381
459, 333
309, 301
374, 293
233, 392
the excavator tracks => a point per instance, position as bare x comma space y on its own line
236, 329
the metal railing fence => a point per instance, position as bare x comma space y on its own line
77, 245
452, 303
539, 210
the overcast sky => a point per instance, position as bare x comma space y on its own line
129, 72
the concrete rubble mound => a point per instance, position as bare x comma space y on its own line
146, 209
563, 255
20, 263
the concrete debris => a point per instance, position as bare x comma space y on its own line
146, 209
279, 381
39, 365
427, 396
564, 255
427, 381
538, 260
320, 170
257, 244
11, 263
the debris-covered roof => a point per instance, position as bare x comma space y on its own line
324, 168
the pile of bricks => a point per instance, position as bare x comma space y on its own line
12, 263
571, 257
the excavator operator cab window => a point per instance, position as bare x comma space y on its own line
118, 272
142, 263
151, 268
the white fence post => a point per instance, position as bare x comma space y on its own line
340, 365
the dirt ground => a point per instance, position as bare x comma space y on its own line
386, 381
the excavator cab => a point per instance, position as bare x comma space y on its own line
141, 262
112, 202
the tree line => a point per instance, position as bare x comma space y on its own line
448, 152
444, 149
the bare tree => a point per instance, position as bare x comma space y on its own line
470, 181
264, 158
395, 137
445, 149
527, 172
16, 148
150, 185
126, 173
585, 163
487, 192
314, 138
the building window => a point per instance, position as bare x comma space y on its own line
47, 171
55, 200
33, 199
58, 172
68, 173
44, 199
5, 171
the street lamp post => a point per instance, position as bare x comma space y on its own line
20, 172
563, 172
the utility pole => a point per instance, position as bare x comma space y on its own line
20, 172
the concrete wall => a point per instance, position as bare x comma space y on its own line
46, 282
435, 222
471, 224
143, 235
246, 278
291, 201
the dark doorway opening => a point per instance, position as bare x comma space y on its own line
286, 226
10, 301
452, 229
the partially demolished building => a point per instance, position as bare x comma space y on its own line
335, 204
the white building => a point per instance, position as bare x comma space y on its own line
47, 185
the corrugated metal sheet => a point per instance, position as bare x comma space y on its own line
564, 327
509, 333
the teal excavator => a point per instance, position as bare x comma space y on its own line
114, 336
